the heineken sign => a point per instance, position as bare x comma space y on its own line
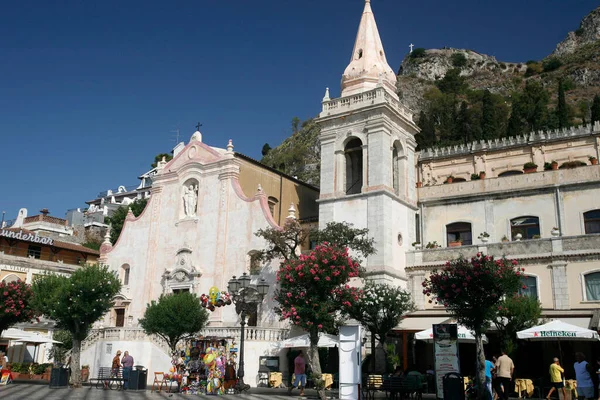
28, 237
555, 334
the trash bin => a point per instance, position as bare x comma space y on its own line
454, 386
137, 378
59, 378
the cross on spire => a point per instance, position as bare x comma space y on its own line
198, 126
411, 47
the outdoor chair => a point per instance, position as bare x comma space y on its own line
159, 381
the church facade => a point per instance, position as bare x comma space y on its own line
422, 208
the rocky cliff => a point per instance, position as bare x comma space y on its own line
588, 32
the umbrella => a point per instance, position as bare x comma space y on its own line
558, 331
36, 339
325, 340
14, 333
464, 335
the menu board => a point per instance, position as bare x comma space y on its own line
445, 347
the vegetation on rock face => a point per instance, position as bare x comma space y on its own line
159, 157
299, 155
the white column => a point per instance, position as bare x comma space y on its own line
560, 286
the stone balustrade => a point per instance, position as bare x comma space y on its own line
537, 180
375, 96
508, 142
520, 250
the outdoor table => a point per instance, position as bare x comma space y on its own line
524, 385
275, 379
327, 380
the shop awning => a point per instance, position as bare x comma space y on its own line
419, 323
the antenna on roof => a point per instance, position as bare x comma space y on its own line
176, 132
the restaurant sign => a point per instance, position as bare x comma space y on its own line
29, 237
556, 334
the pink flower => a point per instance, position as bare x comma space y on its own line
320, 326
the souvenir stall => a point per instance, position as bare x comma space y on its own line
207, 365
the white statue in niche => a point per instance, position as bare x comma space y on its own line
190, 200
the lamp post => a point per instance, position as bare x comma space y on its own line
246, 298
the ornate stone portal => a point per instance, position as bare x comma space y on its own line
184, 276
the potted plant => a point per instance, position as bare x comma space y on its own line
554, 165
484, 237
417, 245
505, 239
529, 167
432, 245
450, 179
455, 243
419, 184
593, 160
555, 232
37, 370
85, 373
475, 177
481, 174
572, 164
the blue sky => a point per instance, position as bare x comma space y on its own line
91, 90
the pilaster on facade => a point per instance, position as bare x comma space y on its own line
415, 285
560, 287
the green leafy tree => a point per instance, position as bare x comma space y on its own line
529, 110
380, 309
458, 60
75, 303
596, 109
117, 220
464, 127
265, 149
343, 234
174, 317
452, 82
295, 124
489, 118
313, 292
15, 304
168, 157
426, 138
552, 64
59, 351
471, 289
419, 52
562, 109
516, 313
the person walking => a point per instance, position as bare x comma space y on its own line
489, 370
583, 374
300, 373
556, 379
127, 362
504, 370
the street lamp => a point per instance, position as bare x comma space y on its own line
246, 298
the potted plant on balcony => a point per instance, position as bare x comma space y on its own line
572, 164
554, 165
593, 160
419, 184
555, 232
505, 239
481, 174
529, 167
432, 245
475, 177
417, 245
450, 179
455, 243
484, 237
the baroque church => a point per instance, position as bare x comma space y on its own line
422, 209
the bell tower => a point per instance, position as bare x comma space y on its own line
368, 156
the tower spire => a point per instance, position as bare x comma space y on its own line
368, 61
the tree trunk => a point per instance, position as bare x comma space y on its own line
373, 353
75, 363
314, 362
480, 370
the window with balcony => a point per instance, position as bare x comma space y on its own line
459, 232
34, 251
592, 286
354, 166
528, 227
591, 220
529, 287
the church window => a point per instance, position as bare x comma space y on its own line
272, 203
529, 287
592, 286
591, 220
398, 167
354, 166
180, 291
528, 227
34, 251
125, 274
459, 231
254, 262
511, 173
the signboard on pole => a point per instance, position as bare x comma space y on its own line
445, 347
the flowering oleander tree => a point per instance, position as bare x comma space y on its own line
313, 291
472, 290
379, 308
15, 304
75, 302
